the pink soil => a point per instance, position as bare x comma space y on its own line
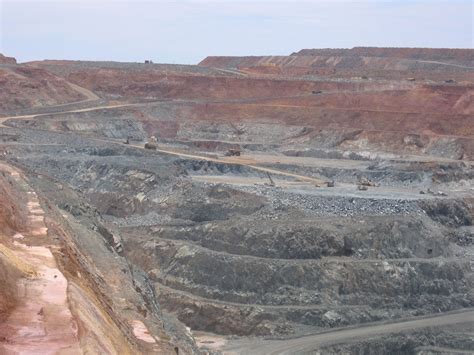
42, 323
141, 332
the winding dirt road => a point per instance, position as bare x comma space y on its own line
311, 342
95, 108
229, 160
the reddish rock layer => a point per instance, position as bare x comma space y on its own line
7, 60
25, 87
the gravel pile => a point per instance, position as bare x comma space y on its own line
333, 206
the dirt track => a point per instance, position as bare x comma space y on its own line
87, 93
3, 119
308, 343
443, 63
231, 160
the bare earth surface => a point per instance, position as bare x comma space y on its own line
319, 202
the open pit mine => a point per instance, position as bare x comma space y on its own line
320, 202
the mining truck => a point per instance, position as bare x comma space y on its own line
366, 182
233, 152
151, 146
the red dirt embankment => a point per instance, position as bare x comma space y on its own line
334, 118
172, 86
26, 87
423, 99
7, 60
378, 127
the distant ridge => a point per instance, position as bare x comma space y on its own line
422, 63
7, 60
458, 54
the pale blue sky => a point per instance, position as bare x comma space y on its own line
186, 31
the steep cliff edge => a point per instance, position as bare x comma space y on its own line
52, 296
